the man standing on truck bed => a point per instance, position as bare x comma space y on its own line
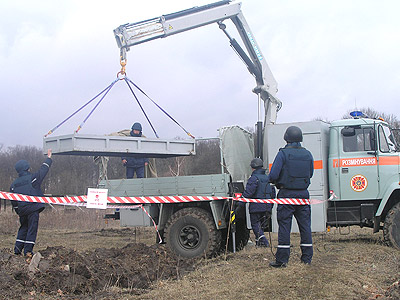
135, 164
28, 184
291, 172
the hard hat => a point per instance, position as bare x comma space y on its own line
293, 134
137, 126
256, 163
22, 165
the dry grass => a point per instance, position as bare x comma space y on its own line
355, 266
346, 265
80, 229
61, 217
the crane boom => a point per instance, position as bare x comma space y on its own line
131, 34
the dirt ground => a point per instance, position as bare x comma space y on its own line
68, 273
125, 263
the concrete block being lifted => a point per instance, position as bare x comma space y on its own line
107, 145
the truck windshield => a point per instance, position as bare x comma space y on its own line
387, 142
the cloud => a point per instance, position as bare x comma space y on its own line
326, 57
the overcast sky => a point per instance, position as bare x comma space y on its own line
327, 57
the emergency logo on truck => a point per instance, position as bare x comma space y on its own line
358, 183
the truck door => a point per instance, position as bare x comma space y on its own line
358, 163
388, 158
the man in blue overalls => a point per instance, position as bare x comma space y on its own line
291, 172
258, 187
134, 163
28, 184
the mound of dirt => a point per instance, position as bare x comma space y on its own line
393, 292
62, 271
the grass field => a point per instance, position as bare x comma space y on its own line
347, 264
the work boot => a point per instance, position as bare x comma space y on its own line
265, 245
276, 264
262, 241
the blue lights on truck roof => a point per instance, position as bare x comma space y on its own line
357, 114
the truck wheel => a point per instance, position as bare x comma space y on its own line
242, 236
391, 227
191, 232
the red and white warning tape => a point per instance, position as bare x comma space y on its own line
154, 224
80, 200
136, 202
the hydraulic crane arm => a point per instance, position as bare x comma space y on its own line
136, 33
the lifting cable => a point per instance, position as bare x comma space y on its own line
105, 91
82, 107
130, 81
140, 105
97, 104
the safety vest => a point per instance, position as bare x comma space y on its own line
264, 189
296, 171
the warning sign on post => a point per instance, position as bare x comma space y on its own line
97, 198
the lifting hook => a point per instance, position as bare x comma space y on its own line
122, 72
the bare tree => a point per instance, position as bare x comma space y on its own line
177, 168
72, 175
68, 174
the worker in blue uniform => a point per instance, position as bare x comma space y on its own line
28, 212
135, 164
291, 172
258, 187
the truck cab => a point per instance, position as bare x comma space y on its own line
356, 166
363, 174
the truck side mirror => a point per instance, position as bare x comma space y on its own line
348, 131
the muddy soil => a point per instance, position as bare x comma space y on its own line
96, 274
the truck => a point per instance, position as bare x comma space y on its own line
357, 166
356, 160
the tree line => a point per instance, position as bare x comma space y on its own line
72, 175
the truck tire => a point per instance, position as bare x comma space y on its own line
391, 227
242, 236
191, 232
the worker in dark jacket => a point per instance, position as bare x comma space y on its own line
135, 163
291, 172
28, 184
258, 187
